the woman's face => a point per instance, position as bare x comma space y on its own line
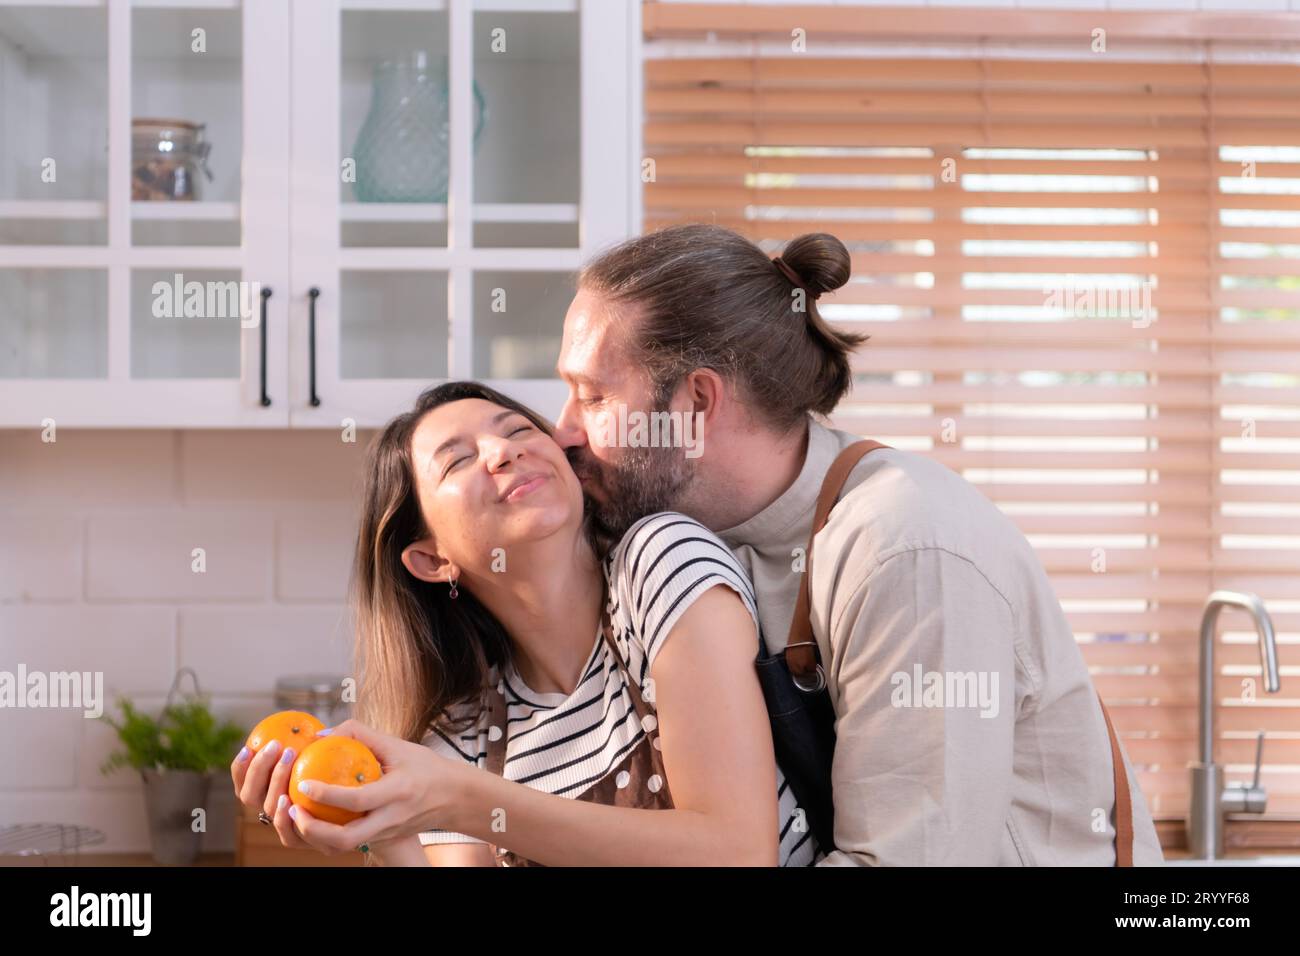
489, 478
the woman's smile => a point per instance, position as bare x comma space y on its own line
524, 486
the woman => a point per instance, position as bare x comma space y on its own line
593, 689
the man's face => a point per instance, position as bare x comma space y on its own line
605, 385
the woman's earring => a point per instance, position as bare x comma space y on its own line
452, 594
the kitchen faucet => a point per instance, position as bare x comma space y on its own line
1210, 799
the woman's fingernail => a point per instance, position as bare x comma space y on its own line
325, 732
293, 811
304, 787
243, 755
272, 747
287, 758
279, 804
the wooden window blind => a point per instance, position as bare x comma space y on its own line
1081, 278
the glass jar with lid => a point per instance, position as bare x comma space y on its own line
318, 694
166, 157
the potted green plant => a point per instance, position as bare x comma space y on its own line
176, 756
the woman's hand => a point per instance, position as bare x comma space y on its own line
413, 795
262, 783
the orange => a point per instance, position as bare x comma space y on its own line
293, 728
339, 760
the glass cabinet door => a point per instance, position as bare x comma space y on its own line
370, 226
53, 197
526, 190
441, 155
143, 214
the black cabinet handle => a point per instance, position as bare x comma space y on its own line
266, 294
312, 294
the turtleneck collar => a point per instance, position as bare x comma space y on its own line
796, 504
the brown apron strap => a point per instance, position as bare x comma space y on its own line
1123, 801
497, 714
634, 690
800, 647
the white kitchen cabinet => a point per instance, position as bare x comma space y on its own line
369, 302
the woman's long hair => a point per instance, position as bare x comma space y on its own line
419, 654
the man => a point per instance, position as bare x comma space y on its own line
968, 730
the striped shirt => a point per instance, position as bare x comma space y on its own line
563, 744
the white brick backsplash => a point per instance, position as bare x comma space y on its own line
96, 536
40, 555
134, 647
244, 650
131, 647
38, 748
147, 555
106, 467
281, 466
313, 553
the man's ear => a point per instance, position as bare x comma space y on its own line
706, 391
424, 562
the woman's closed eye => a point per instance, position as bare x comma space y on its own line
456, 462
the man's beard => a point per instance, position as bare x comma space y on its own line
644, 480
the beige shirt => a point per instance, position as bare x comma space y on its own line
968, 729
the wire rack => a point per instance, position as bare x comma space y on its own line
46, 839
